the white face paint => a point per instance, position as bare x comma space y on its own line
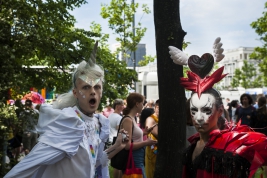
81, 93
202, 109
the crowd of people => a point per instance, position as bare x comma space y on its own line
75, 140
248, 112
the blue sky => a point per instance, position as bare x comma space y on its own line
203, 20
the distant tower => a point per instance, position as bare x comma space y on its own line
140, 53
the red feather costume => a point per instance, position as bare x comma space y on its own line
233, 153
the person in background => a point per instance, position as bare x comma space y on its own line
246, 112
226, 115
114, 121
107, 111
15, 143
135, 105
143, 116
260, 124
256, 106
235, 105
228, 108
29, 118
150, 104
151, 151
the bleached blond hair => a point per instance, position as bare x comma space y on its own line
90, 69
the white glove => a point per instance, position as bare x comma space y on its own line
178, 56
218, 50
104, 159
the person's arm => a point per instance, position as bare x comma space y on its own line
118, 146
41, 155
150, 123
127, 125
120, 143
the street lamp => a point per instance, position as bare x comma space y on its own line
134, 52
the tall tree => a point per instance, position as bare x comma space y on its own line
42, 33
36, 32
172, 122
260, 53
120, 19
246, 77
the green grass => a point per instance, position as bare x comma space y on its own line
110, 171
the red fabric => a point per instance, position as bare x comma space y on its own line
203, 174
198, 85
34, 97
241, 140
131, 171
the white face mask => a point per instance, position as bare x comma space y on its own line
202, 108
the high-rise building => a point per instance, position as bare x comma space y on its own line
139, 55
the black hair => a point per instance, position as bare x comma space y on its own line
157, 103
234, 103
217, 96
144, 115
188, 113
250, 100
28, 103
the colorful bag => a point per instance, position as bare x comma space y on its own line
131, 171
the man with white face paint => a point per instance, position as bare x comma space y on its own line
236, 152
72, 137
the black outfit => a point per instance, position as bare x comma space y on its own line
261, 121
229, 110
242, 114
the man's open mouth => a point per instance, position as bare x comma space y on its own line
92, 101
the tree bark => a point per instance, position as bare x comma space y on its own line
172, 122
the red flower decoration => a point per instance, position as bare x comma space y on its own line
198, 85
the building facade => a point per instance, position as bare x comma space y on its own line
233, 60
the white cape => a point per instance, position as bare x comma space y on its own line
62, 150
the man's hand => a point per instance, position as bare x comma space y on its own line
122, 138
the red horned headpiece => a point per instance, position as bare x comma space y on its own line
198, 80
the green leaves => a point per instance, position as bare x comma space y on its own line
260, 53
118, 79
246, 77
120, 18
147, 59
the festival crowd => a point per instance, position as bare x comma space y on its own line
75, 140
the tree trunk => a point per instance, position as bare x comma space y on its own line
172, 122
